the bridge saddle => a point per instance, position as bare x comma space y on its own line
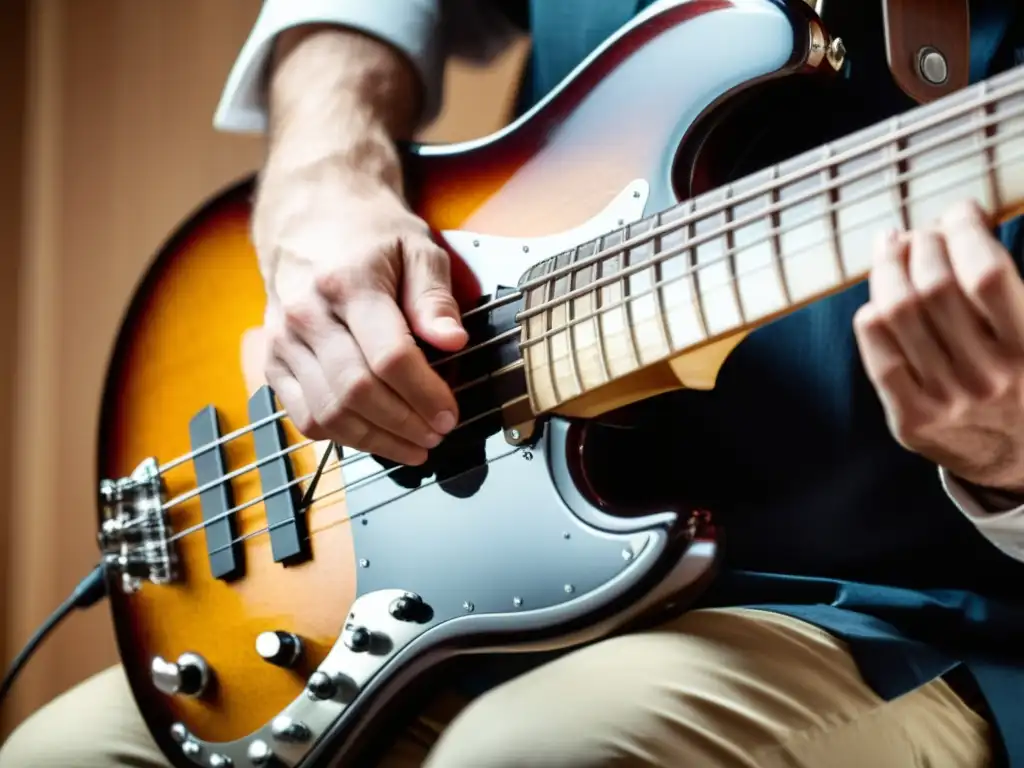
135, 535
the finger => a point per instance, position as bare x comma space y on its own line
986, 273
319, 411
289, 392
895, 301
884, 362
948, 311
427, 298
391, 353
351, 379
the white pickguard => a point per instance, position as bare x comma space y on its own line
498, 260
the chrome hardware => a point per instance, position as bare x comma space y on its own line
836, 53
321, 686
931, 66
179, 733
286, 729
190, 749
357, 639
410, 607
189, 676
135, 533
220, 761
282, 649
260, 753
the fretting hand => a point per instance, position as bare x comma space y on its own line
942, 340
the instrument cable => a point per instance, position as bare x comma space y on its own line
89, 591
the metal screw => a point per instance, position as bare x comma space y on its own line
569, 589
528, 455
468, 606
364, 563
517, 601
627, 554
932, 65
566, 535
636, 193
526, 249
513, 434
476, 243
190, 749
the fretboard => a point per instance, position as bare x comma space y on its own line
743, 255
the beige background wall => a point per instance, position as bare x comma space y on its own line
105, 146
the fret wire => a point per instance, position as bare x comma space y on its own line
989, 134
694, 281
775, 237
830, 174
659, 293
549, 289
606, 365
730, 249
628, 307
1018, 157
571, 312
897, 146
861, 150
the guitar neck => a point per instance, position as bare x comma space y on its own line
745, 254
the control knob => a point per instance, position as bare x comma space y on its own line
279, 648
189, 676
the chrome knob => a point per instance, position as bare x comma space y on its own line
285, 729
358, 639
188, 676
321, 686
260, 753
279, 648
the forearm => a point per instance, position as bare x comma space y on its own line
339, 98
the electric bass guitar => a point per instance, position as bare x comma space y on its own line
277, 599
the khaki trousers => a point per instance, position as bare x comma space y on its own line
731, 687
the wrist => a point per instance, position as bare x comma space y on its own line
324, 75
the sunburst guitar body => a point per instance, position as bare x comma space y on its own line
264, 619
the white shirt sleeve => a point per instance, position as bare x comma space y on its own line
1005, 529
426, 31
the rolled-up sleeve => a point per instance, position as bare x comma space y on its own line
425, 31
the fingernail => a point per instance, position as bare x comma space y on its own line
447, 325
432, 440
444, 422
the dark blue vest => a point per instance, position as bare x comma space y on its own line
827, 517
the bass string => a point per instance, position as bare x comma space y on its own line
375, 478
777, 183
363, 513
678, 225
347, 461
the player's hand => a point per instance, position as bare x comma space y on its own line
942, 339
351, 275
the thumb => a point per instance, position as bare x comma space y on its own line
428, 302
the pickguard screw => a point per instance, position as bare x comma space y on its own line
569, 589
513, 434
526, 249
636, 193
517, 601
468, 606
566, 535
627, 554
528, 455
364, 563
476, 243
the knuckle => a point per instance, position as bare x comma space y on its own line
938, 289
989, 281
900, 310
391, 359
300, 315
356, 391
336, 284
